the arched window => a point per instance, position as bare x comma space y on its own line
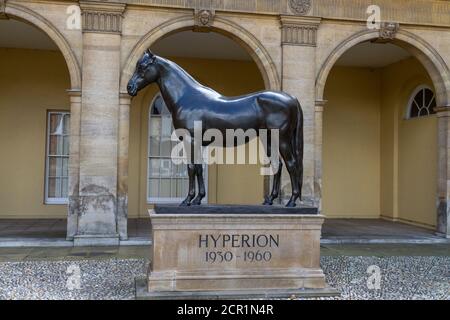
167, 182
422, 103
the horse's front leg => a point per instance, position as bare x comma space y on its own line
191, 193
201, 185
268, 201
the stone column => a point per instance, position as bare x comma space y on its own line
318, 144
299, 36
74, 163
98, 222
122, 160
443, 201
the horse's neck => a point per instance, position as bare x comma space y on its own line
174, 82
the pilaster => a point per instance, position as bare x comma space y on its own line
443, 199
98, 213
299, 38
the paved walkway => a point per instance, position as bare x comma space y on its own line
376, 231
51, 232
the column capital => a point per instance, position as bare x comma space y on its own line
124, 98
319, 105
299, 31
442, 111
102, 17
74, 92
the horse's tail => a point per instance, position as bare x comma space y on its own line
299, 144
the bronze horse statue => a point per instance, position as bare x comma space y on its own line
188, 101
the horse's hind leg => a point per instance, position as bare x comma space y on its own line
191, 194
290, 160
201, 185
268, 201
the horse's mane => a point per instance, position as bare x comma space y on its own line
173, 65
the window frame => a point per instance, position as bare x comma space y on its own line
47, 200
165, 200
411, 100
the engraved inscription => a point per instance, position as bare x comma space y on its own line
238, 241
222, 248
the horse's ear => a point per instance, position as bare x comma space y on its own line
149, 53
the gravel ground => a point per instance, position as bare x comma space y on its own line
401, 278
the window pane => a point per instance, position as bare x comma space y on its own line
55, 121
414, 112
52, 167
51, 185
165, 188
155, 127
64, 187
154, 165
154, 146
153, 185
65, 149
181, 171
66, 128
54, 188
65, 167
173, 188
166, 127
428, 96
419, 98
166, 167
182, 187
423, 112
166, 147
55, 145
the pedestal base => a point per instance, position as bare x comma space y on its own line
235, 251
142, 293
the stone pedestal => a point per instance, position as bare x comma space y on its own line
234, 251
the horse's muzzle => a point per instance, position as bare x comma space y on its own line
132, 90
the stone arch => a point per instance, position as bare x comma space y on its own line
419, 48
220, 25
16, 11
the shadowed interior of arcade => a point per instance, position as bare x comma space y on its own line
380, 137
34, 126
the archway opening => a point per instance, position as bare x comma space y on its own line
379, 158
34, 132
220, 63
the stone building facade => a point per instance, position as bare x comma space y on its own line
294, 44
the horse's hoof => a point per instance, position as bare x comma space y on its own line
196, 203
267, 201
185, 204
291, 205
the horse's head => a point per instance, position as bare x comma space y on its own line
145, 73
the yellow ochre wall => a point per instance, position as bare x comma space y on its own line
351, 143
409, 162
377, 163
31, 82
227, 184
